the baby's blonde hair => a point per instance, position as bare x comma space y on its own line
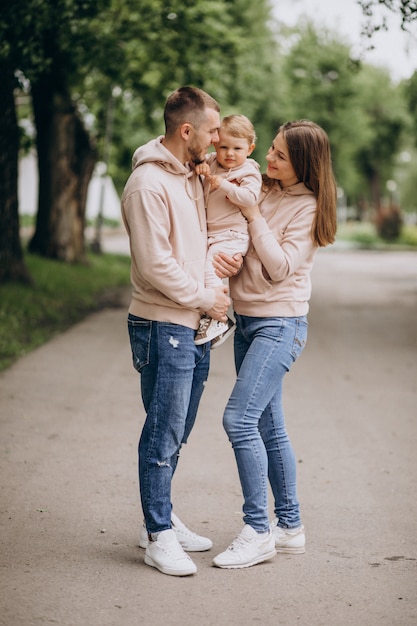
239, 126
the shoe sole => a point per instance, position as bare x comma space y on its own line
165, 570
259, 559
286, 550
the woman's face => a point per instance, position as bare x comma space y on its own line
279, 164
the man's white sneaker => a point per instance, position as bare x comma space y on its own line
189, 541
167, 555
249, 548
210, 329
288, 540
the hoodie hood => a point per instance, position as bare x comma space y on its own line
299, 189
155, 152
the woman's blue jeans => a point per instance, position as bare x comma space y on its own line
265, 349
173, 373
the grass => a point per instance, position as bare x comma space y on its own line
62, 294
364, 235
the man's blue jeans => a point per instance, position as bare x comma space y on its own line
265, 349
173, 373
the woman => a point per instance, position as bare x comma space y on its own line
296, 215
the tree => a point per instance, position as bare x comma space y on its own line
212, 45
12, 265
384, 111
68, 48
320, 85
43, 40
376, 18
66, 154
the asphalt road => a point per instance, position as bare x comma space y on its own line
70, 417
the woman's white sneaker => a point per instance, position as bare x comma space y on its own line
166, 554
249, 548
288, 540
190, 542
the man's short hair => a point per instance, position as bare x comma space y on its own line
187, 104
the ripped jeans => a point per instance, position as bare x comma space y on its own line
173, 374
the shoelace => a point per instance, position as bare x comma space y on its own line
174, 551
239, 542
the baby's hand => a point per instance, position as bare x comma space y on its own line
215, 181
202, 169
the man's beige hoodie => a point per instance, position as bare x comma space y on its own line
275, 279
164, 215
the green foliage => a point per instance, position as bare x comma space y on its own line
321, 85
406, 9
137, 53
208, 44
364, 235
410, 94
363, 112
384, 118
61, 295
37, 35
409, 236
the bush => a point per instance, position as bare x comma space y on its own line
389, 223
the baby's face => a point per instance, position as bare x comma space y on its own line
231, 151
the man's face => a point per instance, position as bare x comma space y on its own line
205, 136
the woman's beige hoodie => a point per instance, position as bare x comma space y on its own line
164, 215
275, 279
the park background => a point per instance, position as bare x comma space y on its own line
83, 83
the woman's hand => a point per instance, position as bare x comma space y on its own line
226, 266
251, 213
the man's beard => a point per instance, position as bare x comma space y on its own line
195, 154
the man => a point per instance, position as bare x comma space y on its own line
164, 215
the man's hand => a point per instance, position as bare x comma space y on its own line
227, 266
218, 312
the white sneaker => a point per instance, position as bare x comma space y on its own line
217, 341
189, 541
288, 540
209, 329
249, 548
167, 555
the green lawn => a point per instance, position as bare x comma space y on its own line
62, 294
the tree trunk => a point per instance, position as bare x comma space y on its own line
66, 161
12, 265
375, 186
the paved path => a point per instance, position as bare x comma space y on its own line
70, 417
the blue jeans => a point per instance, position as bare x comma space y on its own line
265, 349
173, 373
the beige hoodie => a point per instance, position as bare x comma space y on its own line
163, 213
222, 212
275, 279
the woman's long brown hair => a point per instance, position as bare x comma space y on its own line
309, 152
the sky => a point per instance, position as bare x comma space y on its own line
394, 49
